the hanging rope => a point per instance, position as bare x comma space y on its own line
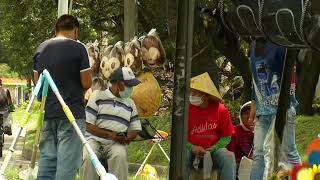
303, 15
286, 10
302, 21
221, 5
261, 5
243, 22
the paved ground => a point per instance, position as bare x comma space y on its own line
17, 158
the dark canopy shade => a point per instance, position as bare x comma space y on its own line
281, 21
311, 25
289, 23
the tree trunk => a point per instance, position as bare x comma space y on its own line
172, 19
205, 62
130, 19
315, 6
229, 45
307, 82
203, 57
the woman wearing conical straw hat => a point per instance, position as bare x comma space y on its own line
209, 130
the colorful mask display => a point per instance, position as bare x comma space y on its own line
152, 51
132, 57
147, 51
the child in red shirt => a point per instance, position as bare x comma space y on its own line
242, 140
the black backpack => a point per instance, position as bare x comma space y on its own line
3, 98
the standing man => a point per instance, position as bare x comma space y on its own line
267, 62
5, 104
209, 128
112, 123
68, 63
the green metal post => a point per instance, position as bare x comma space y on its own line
181, 89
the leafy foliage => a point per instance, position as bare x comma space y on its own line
24, 25
7, 72
12, 173
138, 150
35, 106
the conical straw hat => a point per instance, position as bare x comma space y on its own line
204, 84
147, 95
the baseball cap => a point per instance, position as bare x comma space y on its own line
125, 74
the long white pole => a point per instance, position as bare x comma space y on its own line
93, 157
62, 7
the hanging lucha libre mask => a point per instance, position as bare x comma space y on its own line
132, 56
153, 53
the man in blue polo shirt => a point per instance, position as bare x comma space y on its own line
68, 63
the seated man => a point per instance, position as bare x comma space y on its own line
242, 140
210, 128
112, 123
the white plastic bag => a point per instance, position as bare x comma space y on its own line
244, 168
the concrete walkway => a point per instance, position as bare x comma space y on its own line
17, 158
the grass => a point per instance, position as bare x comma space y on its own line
17, 117
307, 128
12, 173
138, 150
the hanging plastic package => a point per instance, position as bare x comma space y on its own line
245, 165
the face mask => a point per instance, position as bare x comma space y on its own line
126, 93
195, 100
